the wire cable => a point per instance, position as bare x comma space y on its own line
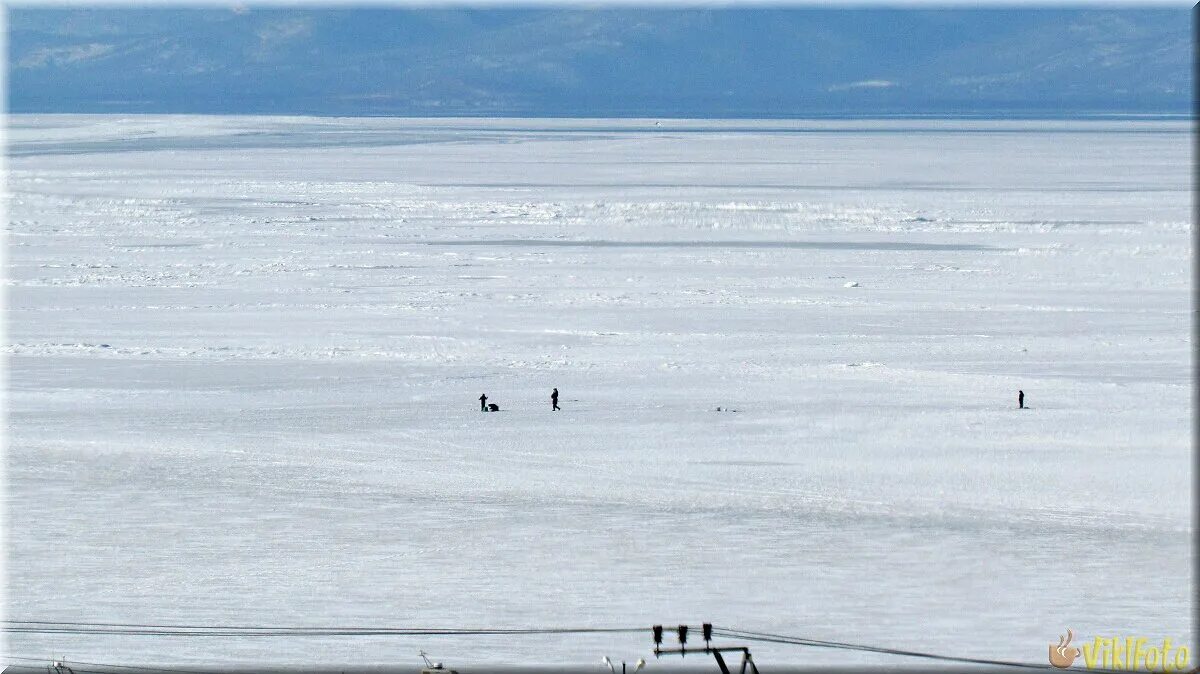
142, 629
238, 631
803, 641
79, 666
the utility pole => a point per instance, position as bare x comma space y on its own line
682, 631
608, 662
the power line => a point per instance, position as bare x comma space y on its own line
142, 629
79, 666
803, 641
238, 631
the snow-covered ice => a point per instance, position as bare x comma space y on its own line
244, 357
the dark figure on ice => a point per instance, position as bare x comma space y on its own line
483, 402
493, 407
1020, 400
554, 400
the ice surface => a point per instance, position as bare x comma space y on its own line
244, 359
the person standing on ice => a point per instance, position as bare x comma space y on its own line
554, 400
483, 402
1020, 400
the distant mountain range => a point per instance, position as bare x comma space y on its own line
779, 62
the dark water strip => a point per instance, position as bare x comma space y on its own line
810, 245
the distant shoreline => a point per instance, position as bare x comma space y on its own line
798, 117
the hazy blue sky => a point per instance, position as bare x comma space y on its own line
612, 62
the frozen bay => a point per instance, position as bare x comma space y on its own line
244, 354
